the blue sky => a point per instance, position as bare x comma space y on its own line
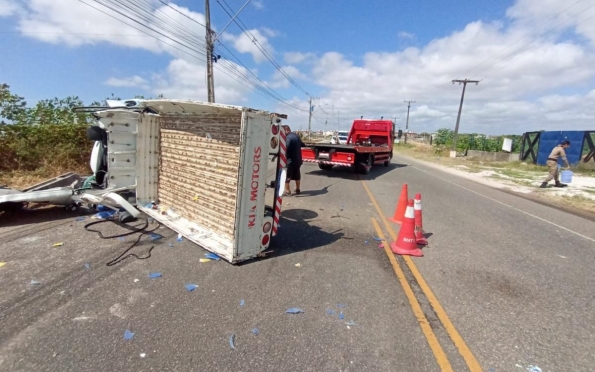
357, 58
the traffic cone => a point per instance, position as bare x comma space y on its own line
419, 226
406, 244
401, 205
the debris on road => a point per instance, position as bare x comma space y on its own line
142, 355
128, 335
232, 341
79, 219
212, 256
155, 275
155, 236
35, 282
350, 323
87, 266
58, 244
255, 331
136, 280
103, 215
378, 239
532, 368
242, 302
191, 287
2, 264
365, 242
380, 245
171, 245
294, 310
121, 238
298, 265
203, 260
341, 306
562, 256
341, 315
180, 239
330, 312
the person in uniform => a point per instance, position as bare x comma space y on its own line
294, 160
552, 163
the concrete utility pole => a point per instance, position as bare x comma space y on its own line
454, 137
209, 42
408, 106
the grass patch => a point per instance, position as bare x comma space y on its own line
22, 179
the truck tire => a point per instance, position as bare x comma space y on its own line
325, 166
390, 157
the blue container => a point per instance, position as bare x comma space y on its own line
566, 176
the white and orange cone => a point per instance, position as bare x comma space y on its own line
406, 243
419, 228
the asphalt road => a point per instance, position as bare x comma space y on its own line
514, 278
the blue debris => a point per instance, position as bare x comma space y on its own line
492, 370
255, 331
294, 310
79, 219
128, 335
121, 238
87, 266
242, 302
155, 236
104, 215
101, 208
533, 369
171, 245
341, 306
149, 205
341, 316
330, 312
232, 341
378, 239
35, 282
155, 275
191, 287
180, 238
212, 256
365, 242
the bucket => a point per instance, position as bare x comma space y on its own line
566, 176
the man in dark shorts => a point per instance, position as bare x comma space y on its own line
294, 160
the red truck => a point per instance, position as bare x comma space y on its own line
369, 142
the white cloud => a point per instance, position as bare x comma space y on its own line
8, 8
258, 4
406, 35
244, 44
128, 82
269, 32
280, 81
295, 58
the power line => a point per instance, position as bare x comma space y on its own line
464, 82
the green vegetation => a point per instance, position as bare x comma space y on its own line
475, 141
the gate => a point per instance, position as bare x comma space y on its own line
529, 146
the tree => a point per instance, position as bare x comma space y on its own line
12, 107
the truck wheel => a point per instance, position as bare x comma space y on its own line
390, 157
325, 166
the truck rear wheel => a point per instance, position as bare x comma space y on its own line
390, 157
325, 166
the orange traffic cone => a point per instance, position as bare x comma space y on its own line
401, 205
406, 243
419, 226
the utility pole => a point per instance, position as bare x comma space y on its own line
464, 82
209, 42
408, 106
310, 118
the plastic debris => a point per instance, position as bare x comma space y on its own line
155, 275
255, 331
171, 245
103, 215
191, 287
212, 256
79, 219
136, 280
330, 312
58, 244
87, 266
341, 315
121, 238
350, 323
232, 341
128, 335
2, 264
203, 260
180, 239
298, 265
518, 365
294, 310
341, 306
562, 256
35, 282
378, 239
195, 198
142, 355
242, 302
380, 245
155, 236
365, 242
533, 369
102, 208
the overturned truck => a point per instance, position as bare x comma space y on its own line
201, 169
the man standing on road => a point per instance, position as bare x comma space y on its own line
294, 160
552, 163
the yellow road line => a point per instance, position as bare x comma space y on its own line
439, 353
454, 335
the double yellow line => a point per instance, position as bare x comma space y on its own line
454, 335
